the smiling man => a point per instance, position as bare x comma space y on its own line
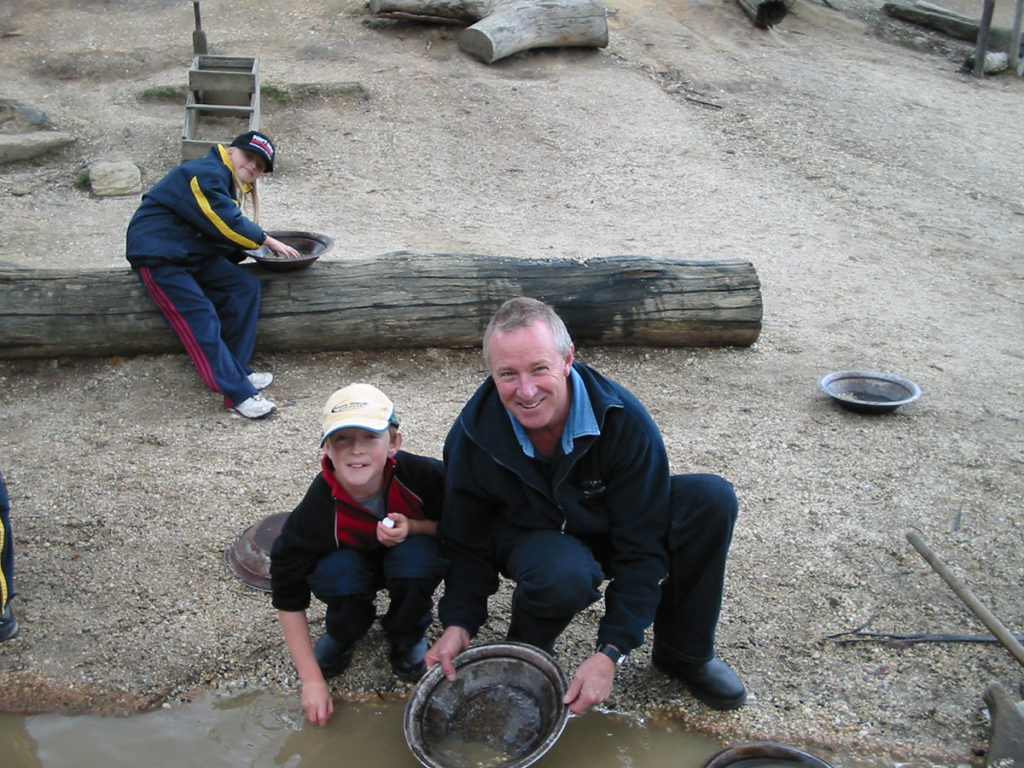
557, 478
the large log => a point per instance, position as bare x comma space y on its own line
504, 27
953, 24
401, 299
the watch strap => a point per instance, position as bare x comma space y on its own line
612, 653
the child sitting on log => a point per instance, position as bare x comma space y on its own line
184, 242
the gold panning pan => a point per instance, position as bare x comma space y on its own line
249, 558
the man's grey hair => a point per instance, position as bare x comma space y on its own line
522, 312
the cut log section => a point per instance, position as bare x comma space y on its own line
401, 299
504, 27
766, 13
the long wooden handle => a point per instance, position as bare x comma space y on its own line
995, 626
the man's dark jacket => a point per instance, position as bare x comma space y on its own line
611, 492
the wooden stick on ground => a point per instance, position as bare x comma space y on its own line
984, 614
859, 634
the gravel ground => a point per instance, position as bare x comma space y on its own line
875, 188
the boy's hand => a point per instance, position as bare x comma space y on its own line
317, 702
397, 533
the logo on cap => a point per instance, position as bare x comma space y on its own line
263, 143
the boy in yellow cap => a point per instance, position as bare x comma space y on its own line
368, 521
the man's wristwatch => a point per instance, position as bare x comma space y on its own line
612, 653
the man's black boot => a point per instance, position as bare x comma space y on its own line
712, 682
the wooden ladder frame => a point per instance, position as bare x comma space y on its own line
221, 86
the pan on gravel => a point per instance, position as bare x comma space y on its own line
869, 391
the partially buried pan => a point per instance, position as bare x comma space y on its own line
763, 753
249, 558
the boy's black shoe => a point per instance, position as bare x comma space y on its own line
712, 682
407, 661
332, 656
8, 624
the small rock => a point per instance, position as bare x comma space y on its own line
25, 146
18, 117
110, 178
995, 61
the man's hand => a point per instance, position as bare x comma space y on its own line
591, 685
317, 702
447, 647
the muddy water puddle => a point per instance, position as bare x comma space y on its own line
264, 729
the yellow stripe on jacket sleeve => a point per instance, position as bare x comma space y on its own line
218, 222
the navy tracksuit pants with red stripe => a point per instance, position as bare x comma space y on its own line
213, 307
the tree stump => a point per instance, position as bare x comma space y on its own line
766, 13
397, 300
504, 27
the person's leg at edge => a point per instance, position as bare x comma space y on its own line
556, 577
193, 317
8, 623
412, 572
346, 581
704, 511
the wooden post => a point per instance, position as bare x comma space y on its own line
1016, 62
397, 300
982, 48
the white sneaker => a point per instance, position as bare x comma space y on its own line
261, 379
255, 407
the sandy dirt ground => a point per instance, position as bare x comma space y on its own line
874, 186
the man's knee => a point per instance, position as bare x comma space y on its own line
710, 497
704, 512
558, 590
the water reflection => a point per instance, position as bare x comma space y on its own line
16, 745
267, 730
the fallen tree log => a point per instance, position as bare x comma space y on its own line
504, 27
953, 24
401, 299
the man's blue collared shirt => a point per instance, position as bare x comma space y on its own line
581, 421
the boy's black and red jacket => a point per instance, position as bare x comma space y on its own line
328, 519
